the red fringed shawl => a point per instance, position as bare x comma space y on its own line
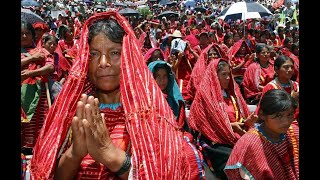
199, 69
208, 113
156, 144
255, 76
263, 159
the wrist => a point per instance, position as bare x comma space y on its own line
72, 157
114, 158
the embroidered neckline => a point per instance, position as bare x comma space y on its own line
112, 106
263, 134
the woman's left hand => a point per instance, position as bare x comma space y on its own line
25, 74
98, 140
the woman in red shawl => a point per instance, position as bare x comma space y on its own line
154, 54
228, 42
240, 57
258, 74
286, 50
67, 41
219, 114
212, 52
271, 149
126, 130
62, 65
40, 28
284, 68
36, 64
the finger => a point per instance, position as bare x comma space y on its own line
80, 110
74, 125
84, 98
87, 130
89, 115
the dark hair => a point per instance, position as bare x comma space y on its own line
280, 61
162, 66
108, 27
226, 37
259, 47
276, 100
28, 26
294, 46
222, 64
46, 37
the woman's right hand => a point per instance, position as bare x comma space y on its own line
79, 148
38, 56
238, 128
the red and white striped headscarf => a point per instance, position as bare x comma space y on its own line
208, 114
157, 151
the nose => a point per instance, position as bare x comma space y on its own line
104, 61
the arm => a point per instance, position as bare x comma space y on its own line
68, 166
26, 60
47, 69
38, 56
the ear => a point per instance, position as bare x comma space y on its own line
261, 115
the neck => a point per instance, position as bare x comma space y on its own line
109, 97
283, 80
270, 134
264, 64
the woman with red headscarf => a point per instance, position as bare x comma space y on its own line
219, 114
40, 28
154, 54
125, 128
258, 74
240, 57
212, 52
286, 50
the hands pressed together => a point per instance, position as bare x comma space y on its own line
90, 134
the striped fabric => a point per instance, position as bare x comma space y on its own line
263, 159
115, 121
199, 69
30, 131
208, 113
235, 59
254, 76
156, 144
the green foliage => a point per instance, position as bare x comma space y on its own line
145, 12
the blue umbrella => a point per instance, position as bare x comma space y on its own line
29, 3
30, 17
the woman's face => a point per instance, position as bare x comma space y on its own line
104, 66
69, 34
242, 49
162, 78
264, 55
286, 70
296, 51
230, 42
50, 45
236, 37
39, 32
26, 38
224, 77
289, 44
212, 54
156, 55
278, 123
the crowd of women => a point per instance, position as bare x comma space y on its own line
104, 96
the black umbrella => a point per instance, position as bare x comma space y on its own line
120, 4
172, 3
167, 14
99, 6
30, 3
201, 9
29, 16
129, 12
